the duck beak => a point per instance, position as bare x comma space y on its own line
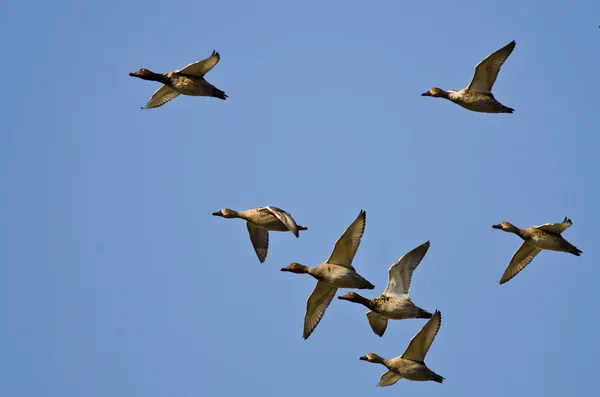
343, 297
134, 75
218, 213
364, 358
285, 269
426, 93
497, 226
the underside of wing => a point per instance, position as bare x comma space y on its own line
377, 322
487, 70
419, 345
346, 246
163, 95
200, 68
316, 305
400, 273
260, 241
388, 378
520, 259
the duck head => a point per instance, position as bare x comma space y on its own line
226, 213
146, 74
435, 92
353, 297
372, 358
506, 227
295, 268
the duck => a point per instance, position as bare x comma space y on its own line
187, 81
411, 364
536, 238
260, 221
477, 96
336, 272
394, 303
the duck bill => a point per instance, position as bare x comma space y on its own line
497, 226
427, 93
364, 358
218, 213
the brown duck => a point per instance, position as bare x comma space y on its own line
536, 238
478, 96
411, 364
394, 303
336, 272
187, 81
260, 221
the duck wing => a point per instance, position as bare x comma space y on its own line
487, 70
316, 305
285, 218
556, 228
400, 273
388, 378
200, 68
260, 241
346, 246
419, 345
520, 259
163, 95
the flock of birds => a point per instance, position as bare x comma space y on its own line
337, 271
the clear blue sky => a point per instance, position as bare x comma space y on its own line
117, 281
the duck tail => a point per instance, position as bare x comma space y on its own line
217, 93
574, 250
424, 314
507, 110
302, 227
366, 285
437, 378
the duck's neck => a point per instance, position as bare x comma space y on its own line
236, 214
520, 233
356, 298
516, 230
446, 94
378, 359
315, 273
227, 213
149, 75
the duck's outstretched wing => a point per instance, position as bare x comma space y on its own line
520, 259
487, 70
163, 95
200, 68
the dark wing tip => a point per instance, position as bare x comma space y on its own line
364, 214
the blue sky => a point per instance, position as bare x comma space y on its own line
116, 279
